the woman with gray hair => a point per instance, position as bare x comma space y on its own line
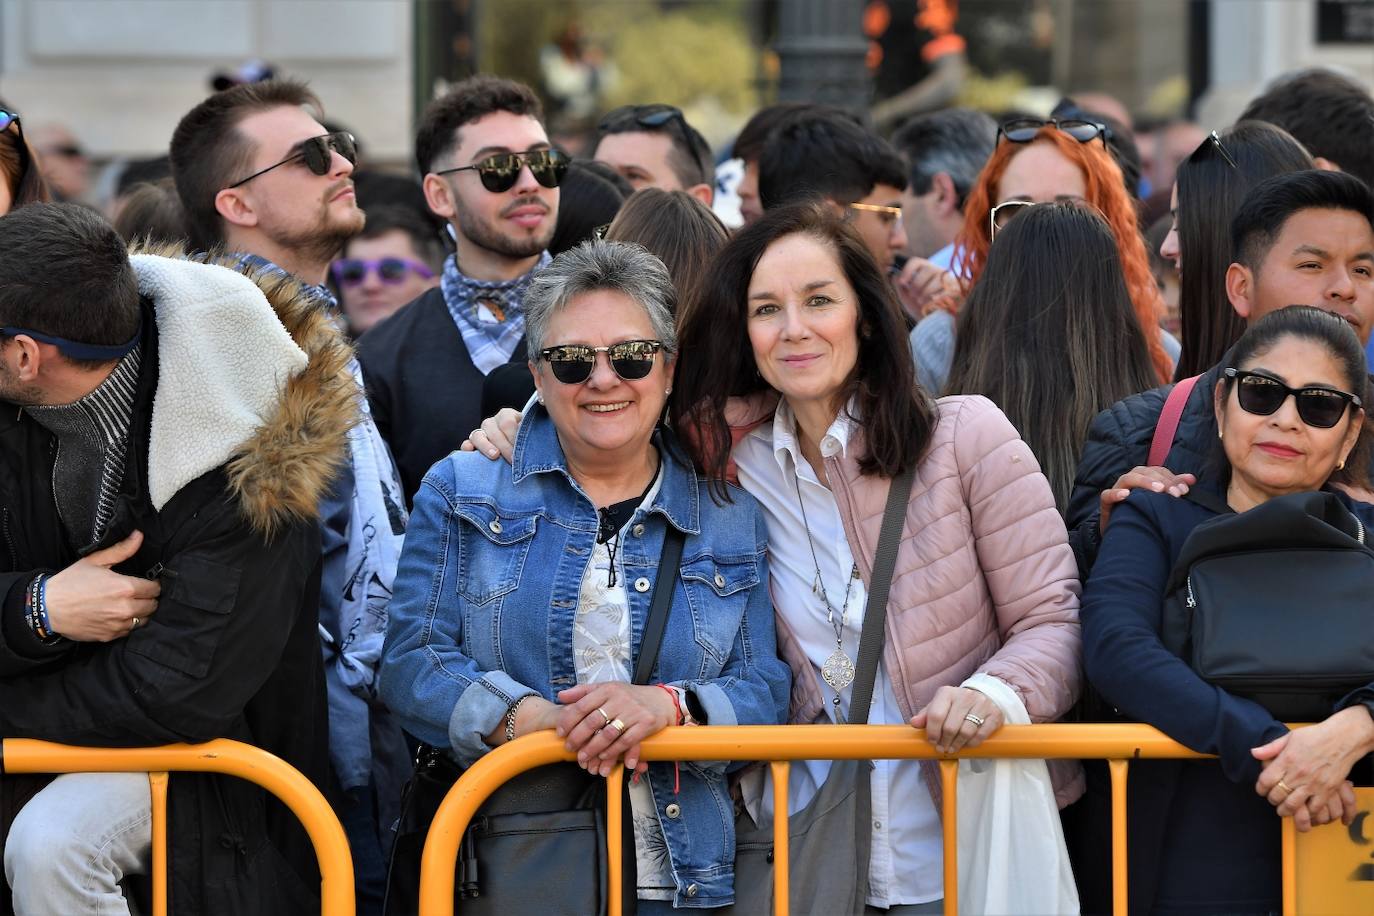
524, 592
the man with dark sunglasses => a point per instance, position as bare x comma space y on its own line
1301, 238
491, 173
653, 146
260, 176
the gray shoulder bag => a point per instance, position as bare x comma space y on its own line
830, 838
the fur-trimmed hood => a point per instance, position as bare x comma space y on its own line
252, 375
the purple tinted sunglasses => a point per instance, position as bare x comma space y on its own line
353, 271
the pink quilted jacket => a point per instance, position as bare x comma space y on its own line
985, 580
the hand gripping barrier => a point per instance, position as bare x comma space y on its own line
780, 744
231, 758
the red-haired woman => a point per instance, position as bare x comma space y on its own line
1038, 162
20, 182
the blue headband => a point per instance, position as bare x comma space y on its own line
73, 349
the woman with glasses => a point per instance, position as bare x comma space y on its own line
1053, 367
1208, 189
20, 181
523, 591
391, 263
1039, 162
1204, 835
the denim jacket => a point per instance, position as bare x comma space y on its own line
483, 610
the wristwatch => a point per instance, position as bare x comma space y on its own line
692, 711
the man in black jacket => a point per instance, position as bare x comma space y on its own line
490, 172
1303, 238
170, 427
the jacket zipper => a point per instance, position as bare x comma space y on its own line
1192, 602
9, 539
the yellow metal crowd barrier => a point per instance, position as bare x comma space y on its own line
231, 758
780, 744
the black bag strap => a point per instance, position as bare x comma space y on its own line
875, 613
669, 562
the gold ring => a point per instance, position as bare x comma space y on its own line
1284, 786
976, 720
604, 716
137, 621
617, 725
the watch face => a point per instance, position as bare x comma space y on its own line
694, 707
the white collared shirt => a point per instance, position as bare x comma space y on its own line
906, 865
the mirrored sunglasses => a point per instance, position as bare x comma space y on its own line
500, 172
1261, 395
572, 364
351, 272
317, 153
1024, 130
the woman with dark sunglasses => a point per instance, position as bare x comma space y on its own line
20, 181
524, 589
1204, 837
1040, 162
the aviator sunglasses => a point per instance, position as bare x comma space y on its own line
316, 152
500, 172
572, 364
353, 271
1262, 395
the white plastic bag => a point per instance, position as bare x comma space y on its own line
1012, 857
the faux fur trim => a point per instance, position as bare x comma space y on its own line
284, 463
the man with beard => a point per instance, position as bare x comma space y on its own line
260, 177
490, 171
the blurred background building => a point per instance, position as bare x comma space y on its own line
117, 74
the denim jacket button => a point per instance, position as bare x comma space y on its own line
638, 531
495, 526
691, 890
641, 584
720, 581
672, 810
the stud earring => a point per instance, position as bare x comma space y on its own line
1340, 465
667, 391
540, 397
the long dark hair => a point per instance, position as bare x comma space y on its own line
717, 360
1049, 333
1332, 333
1210, 190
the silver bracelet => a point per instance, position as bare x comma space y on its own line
510, 717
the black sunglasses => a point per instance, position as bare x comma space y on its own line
1024, 130
501, 171
572, 364
1262, 395
318, 154
1214, 142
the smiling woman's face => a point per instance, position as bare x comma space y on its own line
1280, 453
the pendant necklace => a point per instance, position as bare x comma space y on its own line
838, 670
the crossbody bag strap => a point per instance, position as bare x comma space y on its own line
1163, 440
875, 613
669, 562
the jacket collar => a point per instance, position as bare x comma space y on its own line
538, 451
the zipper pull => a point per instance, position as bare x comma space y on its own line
1192, 602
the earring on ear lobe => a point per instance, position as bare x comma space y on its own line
667, 391
540, 397
1220, 434
1340, 465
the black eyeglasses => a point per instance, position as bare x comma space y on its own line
572, 364
318, 154
1214, 142
1317, 406
1024, 130
501, 171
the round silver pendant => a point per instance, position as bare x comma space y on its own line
838, 671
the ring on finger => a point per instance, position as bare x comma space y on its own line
976, 720
137, 621
604, 715
616, 724
1287, 790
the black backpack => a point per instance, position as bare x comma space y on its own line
1276, 604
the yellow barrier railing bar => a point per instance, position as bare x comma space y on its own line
1117, 743
230, 758
157, 788
1289, 867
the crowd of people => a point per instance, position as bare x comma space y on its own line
365, 470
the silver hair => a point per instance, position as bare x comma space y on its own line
620, 266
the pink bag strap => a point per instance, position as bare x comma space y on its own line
1167, 426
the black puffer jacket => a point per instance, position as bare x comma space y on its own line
232, 650
1119, 440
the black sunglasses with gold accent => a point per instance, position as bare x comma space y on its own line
501, 171
316, 152
1024, 130
572, 364
1318, 406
